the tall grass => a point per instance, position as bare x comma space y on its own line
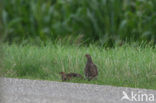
122, 66
105, 21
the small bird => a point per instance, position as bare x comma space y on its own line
68, 76
90, 69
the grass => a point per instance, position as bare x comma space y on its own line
121, 66
108, 21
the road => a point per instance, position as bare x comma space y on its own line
38, 91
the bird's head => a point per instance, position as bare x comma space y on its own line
61, 73
88, 56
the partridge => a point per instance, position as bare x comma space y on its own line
90, 69
68, 76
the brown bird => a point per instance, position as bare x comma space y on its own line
90, 69
68, 76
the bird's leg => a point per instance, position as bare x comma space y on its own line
89, 78
95, 78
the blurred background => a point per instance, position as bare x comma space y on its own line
105, 22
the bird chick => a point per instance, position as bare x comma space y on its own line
90, 70
68, 76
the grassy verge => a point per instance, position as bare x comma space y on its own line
121, 66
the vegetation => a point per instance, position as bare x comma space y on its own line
33, 31
122, 66
105, 21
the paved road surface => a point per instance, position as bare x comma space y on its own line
37, 91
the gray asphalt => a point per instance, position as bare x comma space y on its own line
37, 91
